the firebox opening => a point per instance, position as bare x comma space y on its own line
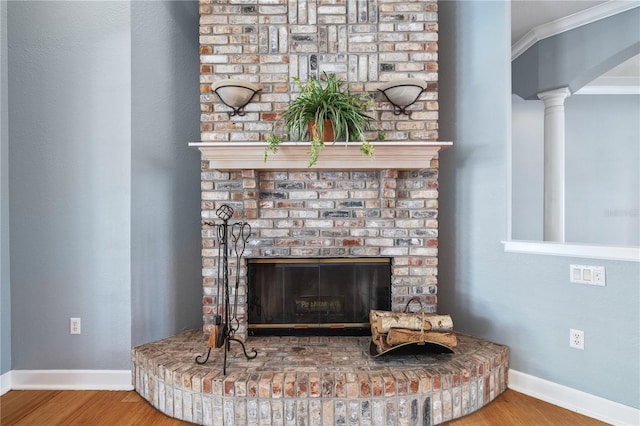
331, 296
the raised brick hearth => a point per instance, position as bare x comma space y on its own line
317, 381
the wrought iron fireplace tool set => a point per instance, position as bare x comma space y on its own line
230, 238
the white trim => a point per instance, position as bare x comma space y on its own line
71, 380
5, 383
574, 400
623, 85
570, 22
509, 153
627, 254
608, 90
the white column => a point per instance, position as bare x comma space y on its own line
554, 179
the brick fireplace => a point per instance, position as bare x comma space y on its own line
328, 214
346, 207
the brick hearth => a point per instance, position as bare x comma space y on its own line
317, 381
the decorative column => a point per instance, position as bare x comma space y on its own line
554, 178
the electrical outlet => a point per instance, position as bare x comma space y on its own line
576, 339
598, 276
74, 325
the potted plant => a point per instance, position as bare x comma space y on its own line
324, 108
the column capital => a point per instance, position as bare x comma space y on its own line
554, 97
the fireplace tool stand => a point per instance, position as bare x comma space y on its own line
232, 240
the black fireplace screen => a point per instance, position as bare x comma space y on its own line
318, 296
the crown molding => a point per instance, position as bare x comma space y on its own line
587, 16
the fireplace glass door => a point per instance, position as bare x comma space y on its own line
316, 296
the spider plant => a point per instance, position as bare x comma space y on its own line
320, 104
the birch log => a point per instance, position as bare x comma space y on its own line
385, 320
379, 339
381, 343
397, 336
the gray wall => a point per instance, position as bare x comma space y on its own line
527, 156
104, 190
70, 159
165, 194
602, 152
5, 289
524, 301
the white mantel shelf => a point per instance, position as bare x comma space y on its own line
401, 155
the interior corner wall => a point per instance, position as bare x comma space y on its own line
166, 277
5, 287
69, 183
83, 244
521, 300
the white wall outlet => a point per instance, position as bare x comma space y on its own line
576, 339
74, 325
598, 276
585, 274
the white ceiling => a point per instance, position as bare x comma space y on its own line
528, 14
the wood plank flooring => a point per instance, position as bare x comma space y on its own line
119, 408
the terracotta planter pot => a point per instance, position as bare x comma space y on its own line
328, 130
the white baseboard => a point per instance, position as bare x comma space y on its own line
70, 380
574, 400
5, 383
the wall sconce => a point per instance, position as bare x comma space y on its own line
235, 94
403, 93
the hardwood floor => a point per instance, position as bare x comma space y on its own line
116, 408
516, 409
45, 408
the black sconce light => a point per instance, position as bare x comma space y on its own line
403, 93
235, 94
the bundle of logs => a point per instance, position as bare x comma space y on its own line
390, 329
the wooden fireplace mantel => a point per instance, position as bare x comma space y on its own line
401, 155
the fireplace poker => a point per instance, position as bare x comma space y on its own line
240, 233
219, 329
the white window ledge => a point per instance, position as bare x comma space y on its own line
628, 254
